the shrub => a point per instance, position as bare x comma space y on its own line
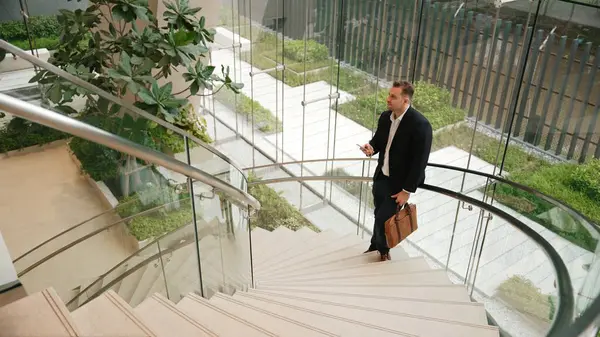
352, 186
39, 27
263, 118
433, 102
175, 214
20, 133
275, 210
586, 179
49, 43
151, 226
295, 49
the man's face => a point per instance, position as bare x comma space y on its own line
396, 100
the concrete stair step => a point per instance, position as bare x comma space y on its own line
318, 320
452, 292
316, 311
142, 290
39, 314
292, 246
397, 266
467, 312
429, 277
279, 237
166, 320
278, 324
109, 315
347, 256
321, 244
220, 321
130, 283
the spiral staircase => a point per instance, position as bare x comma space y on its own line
306, 284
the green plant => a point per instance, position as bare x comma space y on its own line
241, 103
160, 222
49, 43
39, 27
295, 50
20, 133
275, 210
433, 102
586, 179
356, 188
129, 61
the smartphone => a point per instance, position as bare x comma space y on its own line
360, 146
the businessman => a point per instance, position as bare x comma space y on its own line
403, 141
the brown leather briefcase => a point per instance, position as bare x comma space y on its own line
401, 225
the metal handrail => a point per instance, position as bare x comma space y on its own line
112, 98
77, 128
587, 222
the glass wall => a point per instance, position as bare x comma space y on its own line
510, 89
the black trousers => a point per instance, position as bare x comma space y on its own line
385, 207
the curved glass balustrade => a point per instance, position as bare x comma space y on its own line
499, 263
207, 216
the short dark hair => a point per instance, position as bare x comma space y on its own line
407, 88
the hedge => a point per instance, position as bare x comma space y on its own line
262, 116
433, 102
20, 133
160, 221
275, 210
39, 27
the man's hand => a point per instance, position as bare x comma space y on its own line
367, 149
401, 198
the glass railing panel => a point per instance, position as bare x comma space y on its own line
223, 241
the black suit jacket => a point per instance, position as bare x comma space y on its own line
409, 152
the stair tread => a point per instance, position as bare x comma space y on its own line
282, 244
449, 292
221, 322
92, 318
166, 320
427, 277
399, 266
320, 322
321, 245
319, 312
348, 256
279, 325
38, 314
468, 312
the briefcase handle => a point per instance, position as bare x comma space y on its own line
399, 208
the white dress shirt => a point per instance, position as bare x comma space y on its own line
393, 128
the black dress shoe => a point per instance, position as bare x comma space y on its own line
371, 249
386, 257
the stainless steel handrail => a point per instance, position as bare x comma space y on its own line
590, 225
77, 128
97, 91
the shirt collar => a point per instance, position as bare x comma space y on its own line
399, 117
